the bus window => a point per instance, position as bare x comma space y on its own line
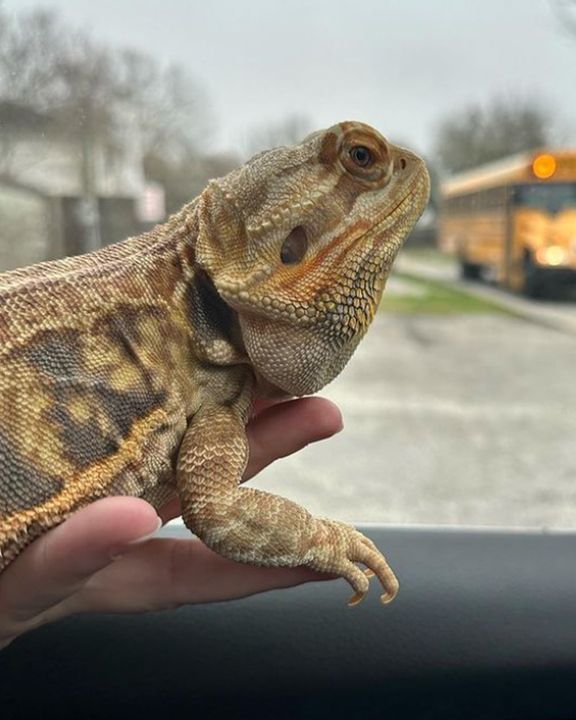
552, 198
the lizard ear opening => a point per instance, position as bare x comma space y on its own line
294, 246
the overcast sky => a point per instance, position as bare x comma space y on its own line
397, 64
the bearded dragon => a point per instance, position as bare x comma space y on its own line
131, 370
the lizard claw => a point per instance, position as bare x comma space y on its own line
385, 598
343, 548
357, 598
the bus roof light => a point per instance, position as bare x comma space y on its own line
544, 166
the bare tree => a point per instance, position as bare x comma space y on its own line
96, 94
117, 101
185, 177
480, 134
30, 46
171, 111
565, 11
289, 131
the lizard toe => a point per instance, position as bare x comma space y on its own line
345, 549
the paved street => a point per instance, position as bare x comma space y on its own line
449, 419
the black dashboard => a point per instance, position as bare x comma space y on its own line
484, 627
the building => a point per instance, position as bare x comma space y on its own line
60, 193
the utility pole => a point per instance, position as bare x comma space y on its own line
89, 212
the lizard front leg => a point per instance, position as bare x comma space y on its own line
256, 527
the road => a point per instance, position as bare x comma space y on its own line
459, 419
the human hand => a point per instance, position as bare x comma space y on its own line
103, 560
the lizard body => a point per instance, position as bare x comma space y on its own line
131, 370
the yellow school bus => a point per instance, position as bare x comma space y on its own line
514, 221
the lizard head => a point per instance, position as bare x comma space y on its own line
299, 241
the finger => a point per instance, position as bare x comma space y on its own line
164, 573
287, 427
261, 404
58, 563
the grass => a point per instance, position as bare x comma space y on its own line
428, 254
437, 298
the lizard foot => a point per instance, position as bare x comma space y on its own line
342, 549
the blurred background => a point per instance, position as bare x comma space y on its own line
460, 404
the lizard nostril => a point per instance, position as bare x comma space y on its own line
402, 163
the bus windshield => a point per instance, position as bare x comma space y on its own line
552, 198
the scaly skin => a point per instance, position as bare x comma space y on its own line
132, 370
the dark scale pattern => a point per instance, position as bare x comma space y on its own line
206, 308
58, 357
22, 486
88, 441
123, 328
55, 354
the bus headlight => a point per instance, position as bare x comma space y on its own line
553, 255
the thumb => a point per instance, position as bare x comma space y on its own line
56, 565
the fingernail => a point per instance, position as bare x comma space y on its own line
115, 555
340, 426
148, 535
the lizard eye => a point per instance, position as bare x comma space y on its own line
294, 247
361, 156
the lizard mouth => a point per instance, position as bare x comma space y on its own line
384, 232
347, 308
419, 193
375, 248
360, 267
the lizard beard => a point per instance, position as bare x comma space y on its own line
297, 360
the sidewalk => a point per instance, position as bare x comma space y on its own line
553, 314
